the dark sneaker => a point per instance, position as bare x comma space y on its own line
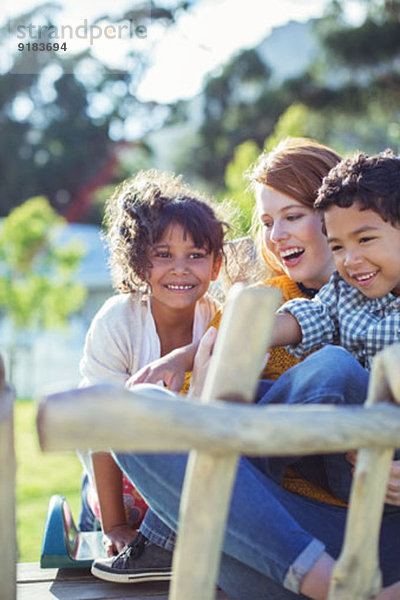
141, 560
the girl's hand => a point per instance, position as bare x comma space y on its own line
393, 488
202, 361
117, 538
170, 369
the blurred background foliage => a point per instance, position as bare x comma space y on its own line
37, 277
64, 129
58, 123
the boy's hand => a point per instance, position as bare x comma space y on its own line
393, 488
117, 538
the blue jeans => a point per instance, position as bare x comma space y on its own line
87, 520
157, 531
328, 376
272, 537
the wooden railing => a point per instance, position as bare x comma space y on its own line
216, 433
8, 542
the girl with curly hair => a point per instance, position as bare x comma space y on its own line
166, 247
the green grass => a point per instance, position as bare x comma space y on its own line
39, 476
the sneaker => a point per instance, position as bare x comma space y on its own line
141, 560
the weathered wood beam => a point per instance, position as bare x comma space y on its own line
80, 419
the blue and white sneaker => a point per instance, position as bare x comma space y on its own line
139, 561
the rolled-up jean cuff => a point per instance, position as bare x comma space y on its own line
167, 542
302, 565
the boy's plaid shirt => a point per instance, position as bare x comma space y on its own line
365, 326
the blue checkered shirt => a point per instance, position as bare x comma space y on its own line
341, 314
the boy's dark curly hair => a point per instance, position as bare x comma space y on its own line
138, 214
372, 181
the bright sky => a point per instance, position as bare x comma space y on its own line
210, 34
203, 38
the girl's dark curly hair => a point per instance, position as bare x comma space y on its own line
139, 212
372, 181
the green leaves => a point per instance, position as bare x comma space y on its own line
241, 199
37, 285
24, 233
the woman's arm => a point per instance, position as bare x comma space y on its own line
108, 480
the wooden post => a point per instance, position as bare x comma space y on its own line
8, 542
232, 374
357, 573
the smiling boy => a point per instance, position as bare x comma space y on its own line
360, 306
365, 248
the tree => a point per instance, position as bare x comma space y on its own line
37, 287
62, 115
361, 61
294, 122
375, 41
240, 103
237, 191
349, 96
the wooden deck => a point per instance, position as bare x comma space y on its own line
34, 583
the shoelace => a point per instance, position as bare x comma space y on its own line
133, 550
